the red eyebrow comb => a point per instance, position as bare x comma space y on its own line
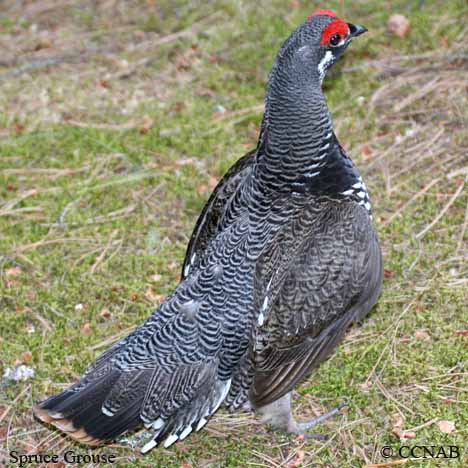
323, 12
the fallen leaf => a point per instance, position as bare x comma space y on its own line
422, 335
402, 434
26, 356
212, 182
367, 152
179, 106
19, 128
13, 271
444, 42
3, 430
398, 420
59, 464
447, 427
102, 83
153, 297
297, 460
147, 123
183, 63
202, 189
43, 43
398, 25
86, 329
461, 333
11, 284
105, 313
366, 386
156, 278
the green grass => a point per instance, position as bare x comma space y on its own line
75, 145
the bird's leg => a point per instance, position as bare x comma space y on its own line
247, 407
279, 416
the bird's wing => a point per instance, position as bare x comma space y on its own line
174, 370
170, 372
208, 221
321, 273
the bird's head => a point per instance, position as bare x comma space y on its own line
318, 43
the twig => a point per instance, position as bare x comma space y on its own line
426, 89
188, 32
43, 243
391, 463
458, 172
43, 321
9, 407
67, 208
43, 172
37, 65
131, 124
390, 397
112, 216
421, 234
412, 200
111, 339
58, 313
12, 203
20, 211
463, 230
104, 252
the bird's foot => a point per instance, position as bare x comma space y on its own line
302, 428
278, 416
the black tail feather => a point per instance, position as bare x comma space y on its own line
78, 411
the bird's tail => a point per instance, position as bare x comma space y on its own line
107, 402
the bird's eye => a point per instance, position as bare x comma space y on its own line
335, 39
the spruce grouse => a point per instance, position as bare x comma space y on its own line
282, 259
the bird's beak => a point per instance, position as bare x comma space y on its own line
356, 30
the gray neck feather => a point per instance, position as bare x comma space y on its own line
297, 128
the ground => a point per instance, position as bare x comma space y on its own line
116, 120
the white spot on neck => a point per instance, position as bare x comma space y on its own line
322, 66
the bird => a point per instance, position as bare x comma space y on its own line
283, 259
